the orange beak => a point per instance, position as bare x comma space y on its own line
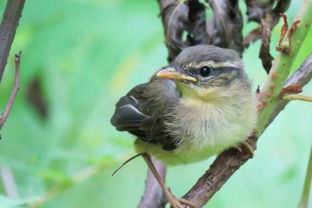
172, 73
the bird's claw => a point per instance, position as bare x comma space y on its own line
180, 203
249, 148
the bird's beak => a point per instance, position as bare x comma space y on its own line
172, 73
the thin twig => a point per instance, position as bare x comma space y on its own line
8, 107
298, 97
9, 23
307, 185
126, 162
299, 79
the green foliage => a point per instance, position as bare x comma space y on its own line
87, 54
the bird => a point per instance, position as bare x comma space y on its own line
196, 107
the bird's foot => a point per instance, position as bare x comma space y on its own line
178, 203
249, 148
187, 202
172, 200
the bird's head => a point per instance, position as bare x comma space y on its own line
206, 72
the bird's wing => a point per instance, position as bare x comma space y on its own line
141, 114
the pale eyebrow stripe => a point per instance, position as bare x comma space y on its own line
216, 64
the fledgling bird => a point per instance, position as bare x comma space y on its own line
196, 107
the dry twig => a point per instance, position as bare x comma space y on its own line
8, 107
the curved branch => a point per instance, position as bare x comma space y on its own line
230, 161
269, 99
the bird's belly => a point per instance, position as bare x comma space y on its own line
202, 131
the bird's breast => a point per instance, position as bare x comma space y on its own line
196, 123
202, 129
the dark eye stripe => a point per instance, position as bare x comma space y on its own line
226, 69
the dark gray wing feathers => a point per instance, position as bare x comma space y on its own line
139, 113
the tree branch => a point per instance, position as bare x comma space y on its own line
300, 78
9, 23
297, 97
230, 161
269, 98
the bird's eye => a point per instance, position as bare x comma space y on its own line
205, 71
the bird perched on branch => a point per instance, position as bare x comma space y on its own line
198, 106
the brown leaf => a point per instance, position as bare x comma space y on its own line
225, 27
264, 54
185, 25
35, 97
266, 13
197, 23
284, 28
252, 37
292, 89
175, 20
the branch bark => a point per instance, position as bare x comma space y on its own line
299, 79
268, 99
9, 23
231, 160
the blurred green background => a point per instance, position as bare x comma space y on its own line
79, 57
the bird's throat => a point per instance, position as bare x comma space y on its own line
198, 94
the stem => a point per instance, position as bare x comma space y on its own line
269, 96
9, 23
307, 185
300, 78
297, 97
227, 163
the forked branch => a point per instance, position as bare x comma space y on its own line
270, 101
